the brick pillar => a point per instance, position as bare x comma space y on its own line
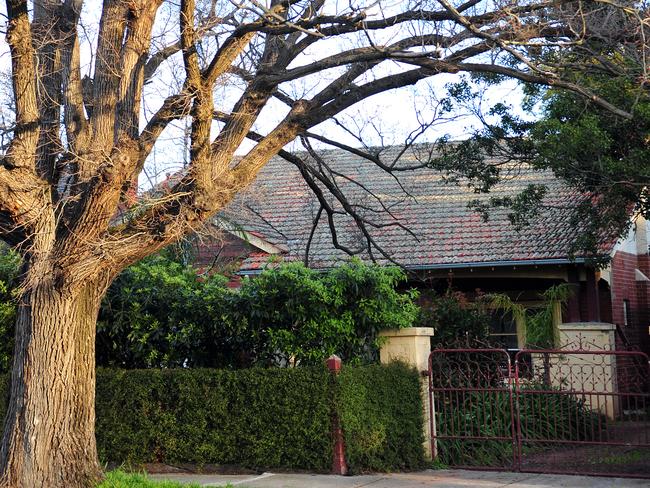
593, 300
339, 466
412, 346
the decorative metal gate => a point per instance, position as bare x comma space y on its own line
549, 411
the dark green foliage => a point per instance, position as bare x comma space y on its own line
477, 414
604, 157
258, 418
287, 315
557, 416
4, 396
255, 418
457, 321
160, 313
294, 313
9, 272
381, 415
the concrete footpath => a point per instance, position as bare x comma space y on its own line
424, 479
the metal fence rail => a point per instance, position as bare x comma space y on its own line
555, 411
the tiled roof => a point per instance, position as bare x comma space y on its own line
280, 207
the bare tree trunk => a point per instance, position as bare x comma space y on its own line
49, 438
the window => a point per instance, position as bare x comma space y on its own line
627, 318
509, 333
503, 330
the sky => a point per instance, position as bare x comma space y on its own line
386, 119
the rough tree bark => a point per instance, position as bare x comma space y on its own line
50, 426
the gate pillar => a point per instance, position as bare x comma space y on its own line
587, 335
412, 346
595, 373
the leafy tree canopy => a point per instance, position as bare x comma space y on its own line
602, 155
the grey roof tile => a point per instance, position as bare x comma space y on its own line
280, 207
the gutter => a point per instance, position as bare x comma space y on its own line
479, 264
494, 264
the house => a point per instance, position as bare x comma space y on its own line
422, 221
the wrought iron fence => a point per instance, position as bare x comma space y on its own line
553, 411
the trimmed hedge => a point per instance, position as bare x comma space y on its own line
254, 418
259, 418
381, 415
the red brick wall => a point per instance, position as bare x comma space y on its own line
644, 264
643, 296
224, 247
625, 287
222, 253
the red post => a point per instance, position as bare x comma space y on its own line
339, 465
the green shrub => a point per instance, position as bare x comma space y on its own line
488, 414
160, 313
295, 314
457, 321
381, 415
9, 272
256, 418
